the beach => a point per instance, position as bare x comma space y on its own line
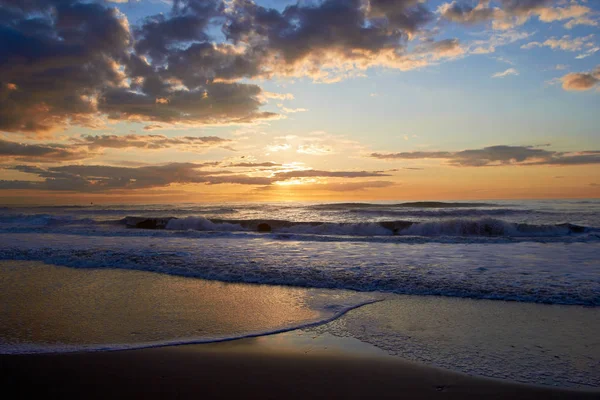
181, 337
251, 369
337, 300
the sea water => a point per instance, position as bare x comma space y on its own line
525, 251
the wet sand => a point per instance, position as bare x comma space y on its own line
66, 309
265, 368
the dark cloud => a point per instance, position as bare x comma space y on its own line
466, 13
95, 178
407, 15
302, 29
513, 12
160, 34
152, 142
499, 155
88, 146
577, 158
76, 61
316, 38
40, 152
520, 7
72, 62
214, 103
98, 178
54, 57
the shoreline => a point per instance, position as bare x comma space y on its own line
268, 367
402, 343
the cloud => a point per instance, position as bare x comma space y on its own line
575, 13
88, 146
588, 53
326, 40
317, 143
565, 43
103, 178
291, 110
495, 40
467, 14
333, 186
278, 96
152, 127
54, 57
321, 174
355, 186
581, 81
151, 142
504, 60
79, 62
329, 40
508, 72
315, 149
254, 164
512, 13
499, 156
99, 178
215, 103
581, 21
344, 187
76, 62
274, 148
41, 152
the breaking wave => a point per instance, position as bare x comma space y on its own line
450, 227
414, 204
561, 273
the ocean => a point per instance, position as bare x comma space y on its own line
534, 251
328, 258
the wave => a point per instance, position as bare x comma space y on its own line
444, 213
93, 211
450, 230
556, 274
414, 204
43, 220
487, 227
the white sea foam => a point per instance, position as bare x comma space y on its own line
529, 343
201, 224
563, 273
537, 251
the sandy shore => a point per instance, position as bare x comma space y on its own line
66, 309
250, 369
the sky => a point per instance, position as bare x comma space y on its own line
160, 101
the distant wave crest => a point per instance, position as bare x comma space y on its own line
414, 204
450, 227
